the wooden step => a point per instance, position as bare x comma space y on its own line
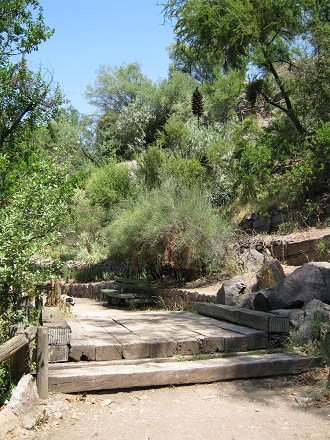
91, 376
267, 322
158, 335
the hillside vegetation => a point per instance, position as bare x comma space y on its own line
156, 176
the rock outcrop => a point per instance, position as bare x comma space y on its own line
308, 282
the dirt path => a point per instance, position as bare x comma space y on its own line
245, 410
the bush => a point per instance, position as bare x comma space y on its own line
149, 165
171, 229
109, 185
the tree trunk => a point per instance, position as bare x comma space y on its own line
289, 109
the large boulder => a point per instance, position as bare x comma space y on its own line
315, 323
269, 274
308, 282
231, 290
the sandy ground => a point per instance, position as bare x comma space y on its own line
272, 409
242, 410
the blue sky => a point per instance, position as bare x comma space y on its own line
91, 33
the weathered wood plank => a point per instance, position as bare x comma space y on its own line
42, 362
92, 342
17, 343
263, 321
108, 376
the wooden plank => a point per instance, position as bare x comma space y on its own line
255, 339
17, 343
109, 377
212, 335
110, 292
132, 281
125, 293
58, 353
92, 342
263, 321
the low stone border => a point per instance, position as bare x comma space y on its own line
168, 298
179, 299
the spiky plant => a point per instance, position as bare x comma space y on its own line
197, 104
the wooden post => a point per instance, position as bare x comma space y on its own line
18, 358
42, 362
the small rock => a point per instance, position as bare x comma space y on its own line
106, 402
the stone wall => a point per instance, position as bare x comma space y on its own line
299, 252
255, 223
166, 298
178, 299
85, 290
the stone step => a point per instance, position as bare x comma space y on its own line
267, 322
92, 376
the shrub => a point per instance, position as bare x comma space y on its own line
109, 185
149, 165
171, 228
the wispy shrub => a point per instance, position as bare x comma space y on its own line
171, 228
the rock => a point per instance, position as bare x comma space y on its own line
230, 291
21, 411
10, 427
308, 282
252, 260
316, 321
24, 400
270, 274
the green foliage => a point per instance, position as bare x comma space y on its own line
149, 166
109, 185
221, 95
29, 217
186, 139
323, 249
133, 109
35, 187
83, 236
26, 100
307, 174
187, 171
258, 35
171, 227
22, 28
117, 86
130, 130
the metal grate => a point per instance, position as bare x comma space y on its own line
58, 336
278, 324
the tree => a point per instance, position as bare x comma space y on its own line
132, 109
257, 35
117, 86
35, 188
22, 27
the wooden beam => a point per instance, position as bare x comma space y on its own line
16, 343
42, 362
90, 376
266, 322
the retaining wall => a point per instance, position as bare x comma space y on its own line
299, 252
168, 298
255, 223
